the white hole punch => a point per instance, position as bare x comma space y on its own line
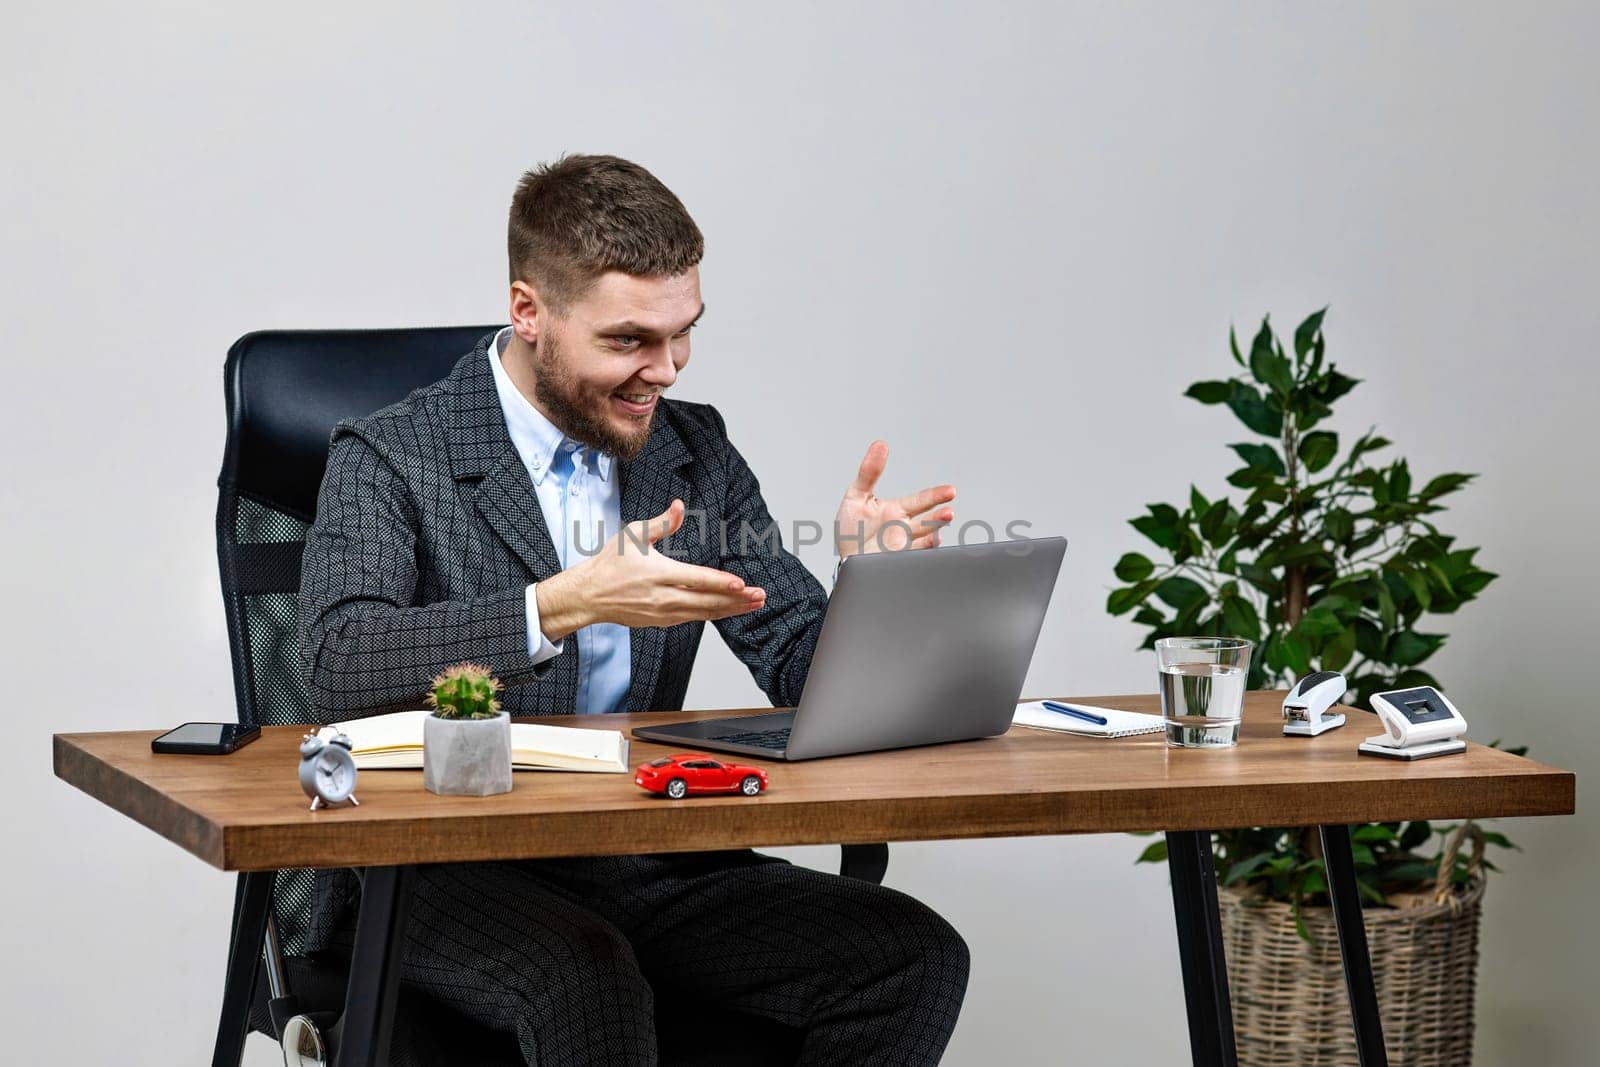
1305, 709
1418, 723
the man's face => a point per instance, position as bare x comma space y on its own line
600, 370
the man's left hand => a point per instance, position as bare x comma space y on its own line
869, 523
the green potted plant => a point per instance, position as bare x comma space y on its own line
1329, 560
466, 742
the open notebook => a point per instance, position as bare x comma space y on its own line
394, 742
1118, 723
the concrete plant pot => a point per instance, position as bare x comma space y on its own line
467, 757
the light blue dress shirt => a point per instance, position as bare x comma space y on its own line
582, 505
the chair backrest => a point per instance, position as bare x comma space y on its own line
286, 389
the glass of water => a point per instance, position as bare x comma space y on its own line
1202, 689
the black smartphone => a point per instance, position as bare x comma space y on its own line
206, 738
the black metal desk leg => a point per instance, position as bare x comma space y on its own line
1200, 949
1205, 976
375, 967
252, 902
1346, 898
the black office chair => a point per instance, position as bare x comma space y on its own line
285, 391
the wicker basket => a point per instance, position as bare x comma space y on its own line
1290, 1006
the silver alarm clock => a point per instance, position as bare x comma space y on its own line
327, 771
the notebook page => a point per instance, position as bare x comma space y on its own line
1118, 723
394, 741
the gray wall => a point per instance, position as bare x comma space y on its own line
1005, 241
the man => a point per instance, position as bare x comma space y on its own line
462, 523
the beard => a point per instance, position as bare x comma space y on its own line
582, 413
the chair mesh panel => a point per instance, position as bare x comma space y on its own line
277, 691
276, 694
257, 524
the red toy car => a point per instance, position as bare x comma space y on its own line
690, 772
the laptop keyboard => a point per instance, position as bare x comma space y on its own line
778, 739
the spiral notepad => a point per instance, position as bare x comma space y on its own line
1118, 723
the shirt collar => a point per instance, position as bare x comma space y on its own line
535, 437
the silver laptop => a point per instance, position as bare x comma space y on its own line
917, 648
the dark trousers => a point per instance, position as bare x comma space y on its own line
567, 954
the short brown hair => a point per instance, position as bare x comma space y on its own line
576, 218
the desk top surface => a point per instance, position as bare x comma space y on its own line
245, 811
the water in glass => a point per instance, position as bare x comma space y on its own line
1201, 703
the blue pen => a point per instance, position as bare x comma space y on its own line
1077, 713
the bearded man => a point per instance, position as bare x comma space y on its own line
527, 512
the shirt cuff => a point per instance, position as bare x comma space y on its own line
540, 647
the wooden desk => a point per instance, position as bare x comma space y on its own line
245, 812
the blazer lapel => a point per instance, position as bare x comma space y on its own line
507, 501
480, 448
650, 482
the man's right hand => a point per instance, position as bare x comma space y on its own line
630, 583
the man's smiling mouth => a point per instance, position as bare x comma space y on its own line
637, 404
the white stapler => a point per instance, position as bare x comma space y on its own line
1417, 723
1305, 709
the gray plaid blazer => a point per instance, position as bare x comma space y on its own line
428, 532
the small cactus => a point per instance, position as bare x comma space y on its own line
465, 691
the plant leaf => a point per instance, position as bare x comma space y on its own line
1296, 655
1210, 392
1163, 531
1214, 525
1250, 477
1410, 648
1263, 457
1372, 832
1339, 523
1339, 651
1246, 867
1311, 412
1272, 369
1254, 411
1155, 853
1333, 385
1182, 593
1267, 364
1412, 871
1149, 616
1369, 442
1318, 449
1122, 601
1418, 585
1400, 480
1306, 332
1320, 623
1472, 583
1133, 567
1444, 483
1241, 618
1388, 610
